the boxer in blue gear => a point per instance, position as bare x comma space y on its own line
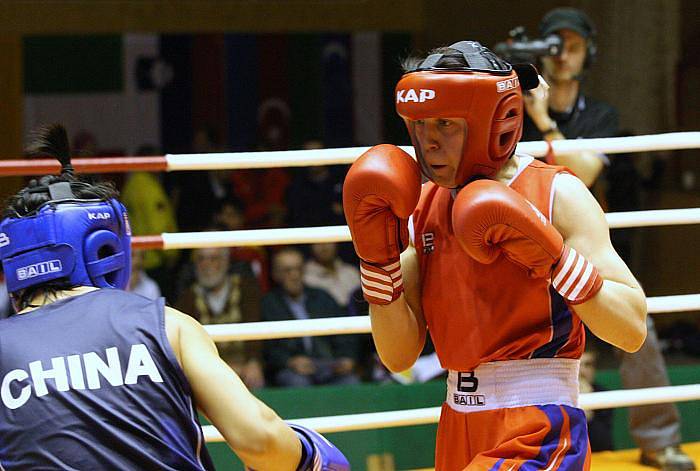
94, 377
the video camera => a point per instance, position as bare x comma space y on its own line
520, 49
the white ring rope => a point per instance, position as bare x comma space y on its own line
430, 415
255, 237
312, 235
303, 158
360, 324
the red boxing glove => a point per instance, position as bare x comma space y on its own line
380, 192
489, 218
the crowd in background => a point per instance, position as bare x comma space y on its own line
248, 284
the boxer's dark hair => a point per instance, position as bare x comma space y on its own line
50, 141
451, 59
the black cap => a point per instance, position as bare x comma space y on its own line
567, 18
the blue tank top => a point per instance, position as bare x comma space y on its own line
91, 382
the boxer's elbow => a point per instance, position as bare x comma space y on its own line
636, 332
397, 364
635, 338
266, 442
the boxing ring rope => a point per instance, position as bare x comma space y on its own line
268, 330
312, 235
303, 158
361, 324
430, 415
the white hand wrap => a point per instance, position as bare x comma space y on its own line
381, 284
575, 278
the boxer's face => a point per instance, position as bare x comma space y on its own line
441, 142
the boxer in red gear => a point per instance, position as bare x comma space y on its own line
508, 258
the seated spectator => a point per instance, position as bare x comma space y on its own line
218, 296
229, 217
328, 272
139, 281
308, 360
315, 195
198, 193
369, 364
600, 422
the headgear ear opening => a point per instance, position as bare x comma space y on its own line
104, 259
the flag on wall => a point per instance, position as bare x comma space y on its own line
250, 91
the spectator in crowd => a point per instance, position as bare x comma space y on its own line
369, 364
326, 271
139, 281
218, 296
151, 212
567, 113
262, 192
600, 422
314, 197
308, 360
198, 193
229, 216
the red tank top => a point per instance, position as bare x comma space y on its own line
480, 313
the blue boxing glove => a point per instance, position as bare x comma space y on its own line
317, 453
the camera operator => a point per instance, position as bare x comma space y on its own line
566, 113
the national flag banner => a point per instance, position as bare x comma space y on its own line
91, 85
253, 91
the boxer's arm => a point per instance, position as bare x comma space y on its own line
399, 328
253, 430
617, 314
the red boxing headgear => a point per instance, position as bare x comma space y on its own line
485, 92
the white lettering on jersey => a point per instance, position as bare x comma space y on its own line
111, 370
8, 399
40, 375
75, 369
140, 363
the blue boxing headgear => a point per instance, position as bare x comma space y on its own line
86, 241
